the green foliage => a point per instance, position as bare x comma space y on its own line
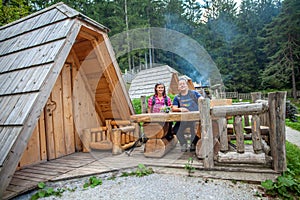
93, 182
189, 166
140, 171
291, 111
143, 171
280, 45
13, 10
293, 159
46, 191
293, 125
137, 106
254, 46
287, 186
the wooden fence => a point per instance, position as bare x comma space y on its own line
213, 147
247, 96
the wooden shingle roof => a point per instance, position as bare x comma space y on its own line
28, 49
33, 51
145, 80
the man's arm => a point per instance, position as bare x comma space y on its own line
175, 107
198, 95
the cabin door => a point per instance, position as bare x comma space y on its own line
60, 134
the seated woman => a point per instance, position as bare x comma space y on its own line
160, 102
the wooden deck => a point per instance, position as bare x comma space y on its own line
86, 164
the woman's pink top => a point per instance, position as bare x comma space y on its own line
158, 103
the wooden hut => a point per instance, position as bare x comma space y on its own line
58, 76
144, 82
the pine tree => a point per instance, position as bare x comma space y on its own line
282, 46
13, 10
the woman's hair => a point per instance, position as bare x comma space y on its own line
183, 79
156, 85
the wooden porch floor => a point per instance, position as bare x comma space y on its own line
86, 164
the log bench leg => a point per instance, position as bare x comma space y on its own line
116, 141
157, 145
157, 148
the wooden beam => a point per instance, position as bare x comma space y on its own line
277, 108
166, 117
238, 128
256, 134
205, 151
113, 81
244, 109
118, 72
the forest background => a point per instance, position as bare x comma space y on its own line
256, 46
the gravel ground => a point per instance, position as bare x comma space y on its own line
155, 186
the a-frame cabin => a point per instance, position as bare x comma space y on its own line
144, 82
58, 75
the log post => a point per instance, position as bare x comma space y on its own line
216, 137
277, 108
86, 139
238, 128
256, 134
143, 104
255, 96
137, 133
109, 129
116, 141
264, 121
205, 147
223, 134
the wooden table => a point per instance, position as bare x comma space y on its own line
155, 127
166, 117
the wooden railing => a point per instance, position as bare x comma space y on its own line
237, 95
213, 146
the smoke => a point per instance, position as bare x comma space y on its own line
200, 64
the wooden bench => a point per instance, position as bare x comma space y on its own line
116, 135
124, 135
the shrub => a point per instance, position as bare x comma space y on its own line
291, 111
287, 186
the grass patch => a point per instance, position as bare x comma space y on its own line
293, 125
245, 141
287, 186
141, 171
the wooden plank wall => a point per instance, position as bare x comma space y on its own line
36, 148
54, 135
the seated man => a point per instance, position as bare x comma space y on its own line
186, 100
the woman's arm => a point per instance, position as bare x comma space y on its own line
149, 104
